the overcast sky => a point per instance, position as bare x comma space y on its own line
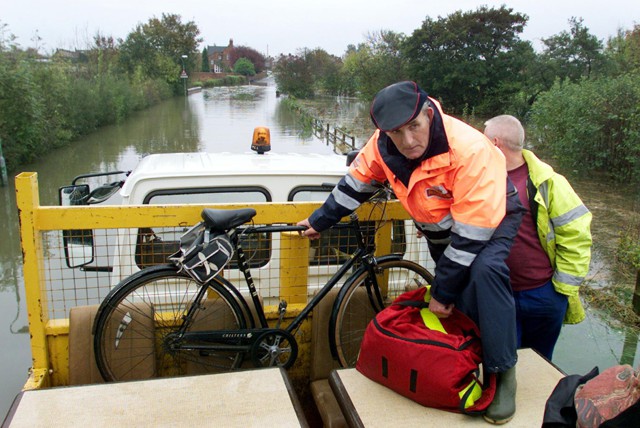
284, 26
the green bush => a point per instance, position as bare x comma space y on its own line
47, 105
591, 125
628, 250
230, 80
244, 67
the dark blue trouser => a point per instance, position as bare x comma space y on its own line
487, 298
539, 316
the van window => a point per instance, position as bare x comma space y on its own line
154, 246
310, 193
213, 195
336, 245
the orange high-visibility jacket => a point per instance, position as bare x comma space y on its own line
456, 193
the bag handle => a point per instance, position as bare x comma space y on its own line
430, 319
413, 303
481, 404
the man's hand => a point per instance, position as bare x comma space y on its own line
310, 232
440, 310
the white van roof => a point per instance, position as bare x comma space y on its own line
176, 170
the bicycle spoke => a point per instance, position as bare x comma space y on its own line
139, 333
358, 304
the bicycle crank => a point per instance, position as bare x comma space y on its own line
274, 348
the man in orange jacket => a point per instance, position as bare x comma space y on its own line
453, 183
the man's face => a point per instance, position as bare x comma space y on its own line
413, 138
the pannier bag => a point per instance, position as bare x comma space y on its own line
203, 256
432, 361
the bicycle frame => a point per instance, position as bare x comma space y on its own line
228, 340
360, 254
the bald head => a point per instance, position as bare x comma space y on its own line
506, 132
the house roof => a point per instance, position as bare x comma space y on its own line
215, 49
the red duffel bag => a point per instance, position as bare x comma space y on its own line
432, 361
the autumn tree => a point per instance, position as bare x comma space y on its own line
255, 57
623, 52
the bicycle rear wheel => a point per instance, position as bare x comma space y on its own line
359, 300
138, 325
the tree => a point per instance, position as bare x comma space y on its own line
375, 64
102, 56
469, 59
592, 125
325, 69
623, 51
205, 61
256, 58
632, 45
293, 75
156, 48
245, 67
573, 54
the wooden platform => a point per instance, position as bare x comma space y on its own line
366, 403
252, 398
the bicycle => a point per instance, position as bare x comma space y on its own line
183, 322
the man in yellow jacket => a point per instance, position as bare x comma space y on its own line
453, 183
551, 253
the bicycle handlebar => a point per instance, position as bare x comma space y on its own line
277, 228
292, 228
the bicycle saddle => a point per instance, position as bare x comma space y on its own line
223, 220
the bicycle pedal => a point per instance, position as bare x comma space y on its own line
282, 309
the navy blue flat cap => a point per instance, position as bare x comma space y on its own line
396, 105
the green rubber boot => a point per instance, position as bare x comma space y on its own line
503, 406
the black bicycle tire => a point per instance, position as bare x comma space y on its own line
351, 313
152, 350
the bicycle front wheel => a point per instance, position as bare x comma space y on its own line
364, 296
139, 327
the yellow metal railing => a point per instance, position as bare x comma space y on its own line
49, 334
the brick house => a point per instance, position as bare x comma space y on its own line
220, 57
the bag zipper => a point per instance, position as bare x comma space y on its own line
423, 341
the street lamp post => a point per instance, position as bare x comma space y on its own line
183, 75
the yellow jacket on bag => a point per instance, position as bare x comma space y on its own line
563, 225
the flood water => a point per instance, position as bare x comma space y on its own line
223, 119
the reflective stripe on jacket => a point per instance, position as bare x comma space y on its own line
456, 194
563, 224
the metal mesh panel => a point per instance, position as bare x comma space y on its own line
118, 253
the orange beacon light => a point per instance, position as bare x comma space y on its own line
261, 140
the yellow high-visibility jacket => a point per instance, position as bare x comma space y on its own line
563, 223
